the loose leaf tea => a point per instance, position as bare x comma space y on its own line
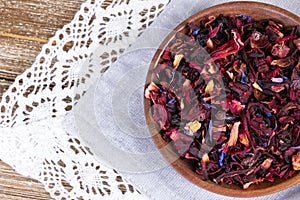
227, 97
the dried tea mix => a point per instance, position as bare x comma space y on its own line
227, 97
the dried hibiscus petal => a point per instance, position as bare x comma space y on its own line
228, 48
233, 136
280, 50
285, 62
297, 43
227, 95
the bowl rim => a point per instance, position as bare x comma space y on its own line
232, 191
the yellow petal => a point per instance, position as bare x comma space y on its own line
219, 129
205, 158
209, 87
193, 127
212, 69
244, 140
177, 60
296, 161
256, 86
234, 134
150, 88
210, 44
230, 74
282, 62
182, 104
297, 43
267, 163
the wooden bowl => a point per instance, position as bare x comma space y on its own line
257, 11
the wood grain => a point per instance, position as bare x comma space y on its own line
25, 25
14, 186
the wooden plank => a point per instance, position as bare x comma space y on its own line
14, 186
4, 84
34, 19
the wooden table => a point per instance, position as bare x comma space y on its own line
25, 25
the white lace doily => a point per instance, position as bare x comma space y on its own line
33, 137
